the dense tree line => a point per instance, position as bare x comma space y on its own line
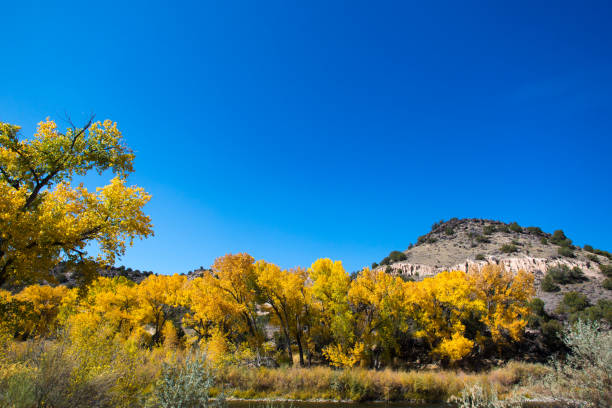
247, 309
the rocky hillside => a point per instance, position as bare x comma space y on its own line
460, 244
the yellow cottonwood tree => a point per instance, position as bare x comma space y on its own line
506, 297
441, 305
379, 303
157, 297
44, 219
210, 310
236, 280
281, 290
330, 285
44, 305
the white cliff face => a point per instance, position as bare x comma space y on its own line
537, 266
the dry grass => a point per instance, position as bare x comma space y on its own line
367, 385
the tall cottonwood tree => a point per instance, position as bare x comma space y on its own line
44, 219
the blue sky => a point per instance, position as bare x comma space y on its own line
330, 129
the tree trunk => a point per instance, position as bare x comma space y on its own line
298, 340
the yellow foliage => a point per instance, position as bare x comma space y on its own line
506, 297
330, 297
44, 220
171, 340
44, 304
344, 358
454, 348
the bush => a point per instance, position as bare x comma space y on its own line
607, 283
592, 258
480, 257
543, 241
588, 248
535, 230
488, 229
606, 270
564, 275
536, 306
603, 253
374, 265
185, 384
548, 284
449, 230
508, 248
559, 238
572, 303
602, 310
584, 375
551, 334
481, 239
566, 251
386, 261
514, 227
396, 256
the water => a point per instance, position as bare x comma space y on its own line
297, 404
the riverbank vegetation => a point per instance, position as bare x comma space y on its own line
254, 313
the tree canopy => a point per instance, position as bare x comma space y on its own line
44, 219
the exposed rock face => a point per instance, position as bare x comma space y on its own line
471, 243
537, 266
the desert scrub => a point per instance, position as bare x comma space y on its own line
185, 384
586, 372
70, 372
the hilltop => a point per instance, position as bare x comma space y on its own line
461, 244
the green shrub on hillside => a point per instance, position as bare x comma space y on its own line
588, 248
374, 265
544, 241
559, 238
572, 303
564, 275
503, 228
603, 253
592, 258
548, 284
397, 256
602, 310
480, 257
535, 230
488, 229
481, 239
606, 270
449, 230
537, 307
508, 248
566, 251
551, 334
607, 283
514, 227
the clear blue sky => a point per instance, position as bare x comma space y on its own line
330, 129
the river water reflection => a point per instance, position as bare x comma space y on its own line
251, 404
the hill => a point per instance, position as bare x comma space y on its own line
461, 244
